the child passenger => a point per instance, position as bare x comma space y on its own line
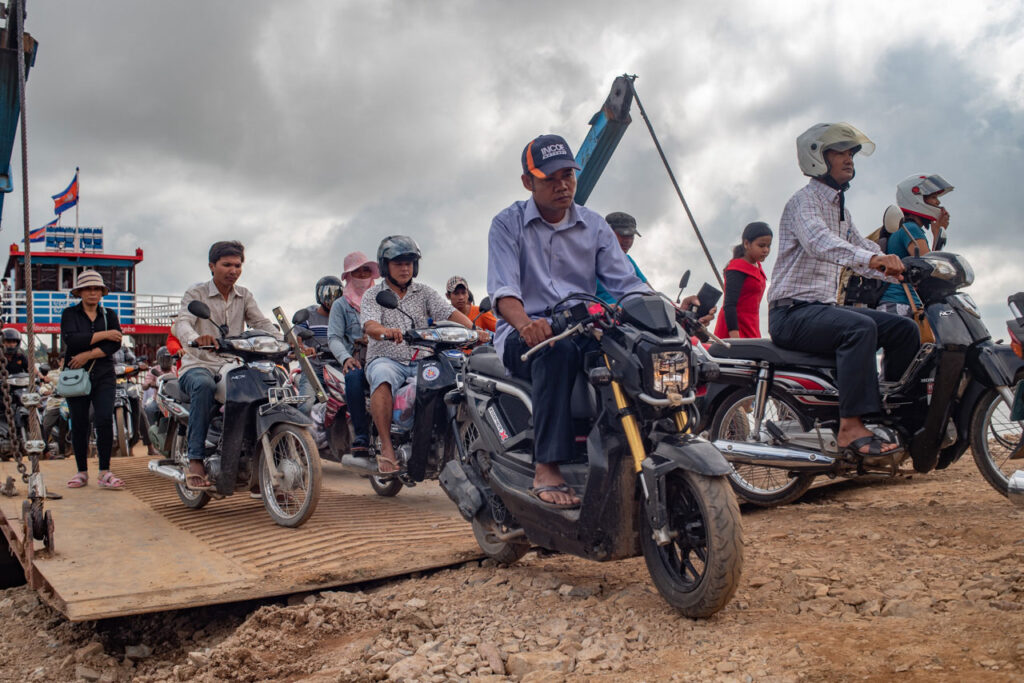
745, 283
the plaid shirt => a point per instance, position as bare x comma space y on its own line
814, 246
420, 302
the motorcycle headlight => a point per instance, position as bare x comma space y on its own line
239, 344
119, 368
448, 335
268, 345
671, 372
20, 380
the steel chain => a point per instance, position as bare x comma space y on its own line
16, 443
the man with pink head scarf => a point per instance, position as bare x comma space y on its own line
345, 338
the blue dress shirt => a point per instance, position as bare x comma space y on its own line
531, 260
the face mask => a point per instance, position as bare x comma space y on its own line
355, 287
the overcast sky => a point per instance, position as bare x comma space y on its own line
311, 129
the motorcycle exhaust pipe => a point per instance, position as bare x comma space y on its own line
1016, 489
167, 471
361, 465
744, 453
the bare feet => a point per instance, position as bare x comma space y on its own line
548, 474
851, 429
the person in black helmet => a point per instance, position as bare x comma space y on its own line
388, 360
15, 359
328, 289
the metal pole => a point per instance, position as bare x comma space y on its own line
672, 177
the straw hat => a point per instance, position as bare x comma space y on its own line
88, 278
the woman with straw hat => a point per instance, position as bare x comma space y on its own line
91, 335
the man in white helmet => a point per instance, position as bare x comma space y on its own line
918, 198
816, 239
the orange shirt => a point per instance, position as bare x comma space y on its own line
487, 321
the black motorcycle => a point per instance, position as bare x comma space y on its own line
648, 486
126, 408
256, 438
774, 412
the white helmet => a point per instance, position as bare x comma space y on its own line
811, 145
910, 194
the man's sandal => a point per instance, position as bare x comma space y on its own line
381, 460
197, 482
874, 444
78, 481
107, 480
561, 488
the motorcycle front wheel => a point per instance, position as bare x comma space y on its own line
698, 571
757, 484
121, 433
292, 495
994, 437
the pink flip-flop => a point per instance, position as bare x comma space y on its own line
109, 481
78, 481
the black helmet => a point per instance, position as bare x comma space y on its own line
398, 248
328, 288
11, 334
162, 352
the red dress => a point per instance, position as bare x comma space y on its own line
749, 304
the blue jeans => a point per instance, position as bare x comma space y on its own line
199, 384
355, 397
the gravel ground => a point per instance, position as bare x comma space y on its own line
918, 579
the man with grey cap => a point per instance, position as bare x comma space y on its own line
624, 227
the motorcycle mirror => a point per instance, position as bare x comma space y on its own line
306, 333
892, 219
387, 299
301, 316
199, 309
44, 369
485, 305
683, 281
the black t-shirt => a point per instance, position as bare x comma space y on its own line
76, 331
16, 362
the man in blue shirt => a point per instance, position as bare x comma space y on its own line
540, 250
624, 227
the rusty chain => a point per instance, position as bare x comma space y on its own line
17, 444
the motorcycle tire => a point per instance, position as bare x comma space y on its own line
504, 552
699, 570
386, 487
291, 500
757, 484
994, 436
121, 434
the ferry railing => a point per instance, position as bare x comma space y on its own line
131, 308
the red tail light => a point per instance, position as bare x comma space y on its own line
1016, 344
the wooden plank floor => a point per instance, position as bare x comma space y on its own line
140, 550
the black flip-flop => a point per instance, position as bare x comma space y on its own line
874, 444
561, 488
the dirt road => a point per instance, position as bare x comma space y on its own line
919, 579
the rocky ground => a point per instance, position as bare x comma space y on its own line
917, 579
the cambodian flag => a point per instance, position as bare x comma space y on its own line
68, 198
39, 234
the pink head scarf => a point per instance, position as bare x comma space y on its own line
355, 287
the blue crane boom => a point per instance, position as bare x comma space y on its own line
606, 129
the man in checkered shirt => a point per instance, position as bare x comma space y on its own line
816, 238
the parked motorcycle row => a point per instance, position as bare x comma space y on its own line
671, 432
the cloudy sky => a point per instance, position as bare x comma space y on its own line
310, 129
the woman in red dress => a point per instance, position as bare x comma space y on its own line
745, 283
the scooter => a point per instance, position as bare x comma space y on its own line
648, 485
126, 409
999, 441
256, 436
774, 412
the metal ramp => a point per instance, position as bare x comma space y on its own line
137, 551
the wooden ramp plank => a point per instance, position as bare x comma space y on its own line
140, 550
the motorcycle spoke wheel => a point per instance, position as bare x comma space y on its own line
994, 437
758, 484
292, 496
121, 434
698, 571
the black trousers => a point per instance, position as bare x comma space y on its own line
853, 335
552, 372
101, 398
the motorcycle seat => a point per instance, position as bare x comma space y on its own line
764, 349
173, 391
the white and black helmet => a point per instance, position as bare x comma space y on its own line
813, 143
910, 194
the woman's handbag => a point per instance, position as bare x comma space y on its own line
76, 382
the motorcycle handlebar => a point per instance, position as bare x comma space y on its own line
558, 337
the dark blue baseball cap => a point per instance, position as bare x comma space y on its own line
546, 154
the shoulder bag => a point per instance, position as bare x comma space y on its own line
75, 382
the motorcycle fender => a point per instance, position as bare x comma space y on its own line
995, 365
281, 412
689, 452
466, 496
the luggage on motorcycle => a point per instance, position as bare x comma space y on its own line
404, 404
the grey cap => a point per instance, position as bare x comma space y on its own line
622, 223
